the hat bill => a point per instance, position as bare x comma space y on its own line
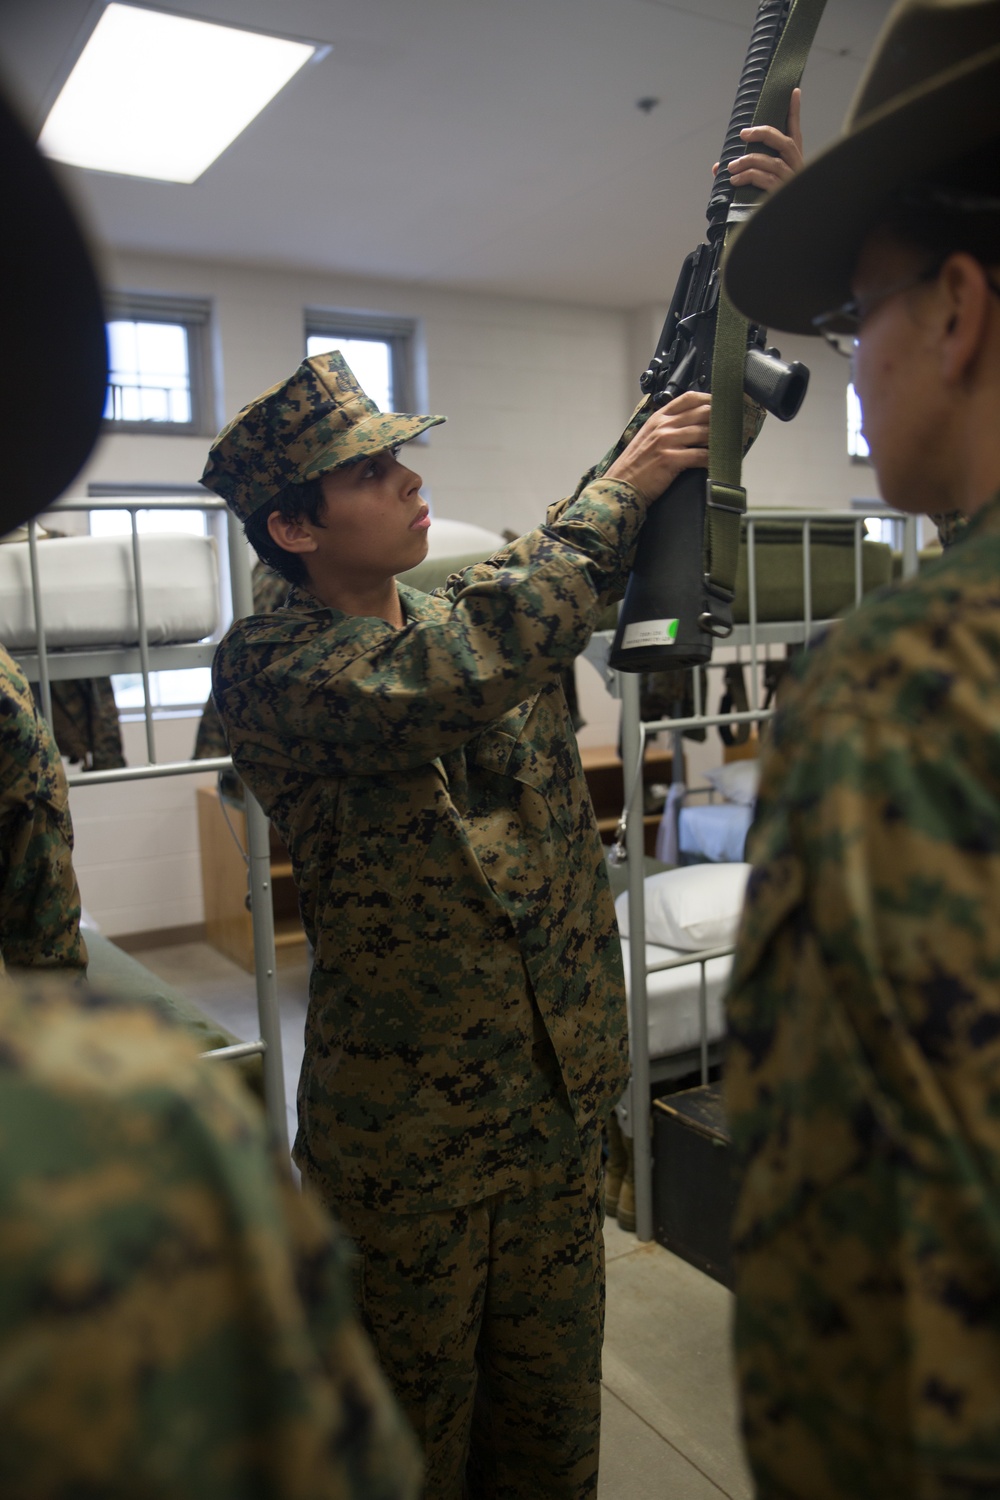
794, 259
384, 430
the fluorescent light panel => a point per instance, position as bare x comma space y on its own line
161, 96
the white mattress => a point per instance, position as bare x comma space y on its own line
460, 539
88, 590
673, 1000
716, 831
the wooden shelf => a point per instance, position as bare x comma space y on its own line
603, 770
224, 881
288, 932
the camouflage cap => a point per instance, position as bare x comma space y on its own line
316, 421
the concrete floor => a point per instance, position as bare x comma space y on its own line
669, 1422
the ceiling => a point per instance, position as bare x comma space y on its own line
493, 145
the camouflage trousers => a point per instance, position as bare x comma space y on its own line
488, 1320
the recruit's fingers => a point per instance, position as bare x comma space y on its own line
674, 438
795, 118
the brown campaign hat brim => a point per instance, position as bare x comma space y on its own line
794, 260
383, 430
53, 370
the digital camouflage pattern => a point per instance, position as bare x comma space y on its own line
175, 1319
85, 723
270, 591
39, 898
863, 1070
519, 1390
315, 421
451, 877
950, 526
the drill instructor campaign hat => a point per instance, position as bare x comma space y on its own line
51, 324
318, 420
930, 94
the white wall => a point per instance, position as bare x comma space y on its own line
534, 392
136, 856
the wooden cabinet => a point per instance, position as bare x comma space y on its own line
603, 771
224, 882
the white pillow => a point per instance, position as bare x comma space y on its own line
695, 907
737, 782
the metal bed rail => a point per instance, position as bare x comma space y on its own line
754, 636
67, 664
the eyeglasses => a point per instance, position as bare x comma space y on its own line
841, 327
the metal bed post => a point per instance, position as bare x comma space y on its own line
261, 903
632, 750
140, 616
36, 599
911, 555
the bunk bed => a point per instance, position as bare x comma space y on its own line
103, 606
756, 632
79, 607
675, 992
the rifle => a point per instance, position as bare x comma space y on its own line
679, 595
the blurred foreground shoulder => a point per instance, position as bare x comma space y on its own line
175, 1320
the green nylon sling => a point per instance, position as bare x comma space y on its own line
727, 499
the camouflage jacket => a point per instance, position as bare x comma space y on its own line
863, 1073
39, 899
270, 591
451, 878
175, 1319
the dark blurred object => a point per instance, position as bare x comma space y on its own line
53, 374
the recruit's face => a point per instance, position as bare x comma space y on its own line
375, 523
897, 376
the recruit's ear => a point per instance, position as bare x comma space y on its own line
53, 355
291, 536
967, 315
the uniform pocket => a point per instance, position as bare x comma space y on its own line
530, 746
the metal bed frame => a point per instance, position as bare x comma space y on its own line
44, 667
634, 1109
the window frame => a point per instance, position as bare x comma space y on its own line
193, 314
401, 334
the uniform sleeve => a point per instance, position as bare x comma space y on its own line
39, 898
175, 1321
861, 1086
394, 699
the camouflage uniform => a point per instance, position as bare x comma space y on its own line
85, 723
39, 899
863, 1074
175, 1320
270, 591
466, 1031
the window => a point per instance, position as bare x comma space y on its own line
857, 448
379, 349
157, 376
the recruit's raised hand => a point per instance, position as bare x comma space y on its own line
757, 169
673, 439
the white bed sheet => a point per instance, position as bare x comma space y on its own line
88, 591
715, 830
673, 1000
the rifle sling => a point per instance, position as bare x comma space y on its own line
727, 498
